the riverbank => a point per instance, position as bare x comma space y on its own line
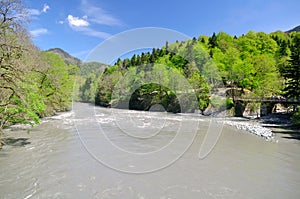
252, 127
23, 129
274, 127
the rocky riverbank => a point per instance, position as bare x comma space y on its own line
254, 128
269, 127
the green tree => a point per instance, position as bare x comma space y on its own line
19, 98
291, 72
56, 83
212, 41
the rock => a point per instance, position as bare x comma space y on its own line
252, 128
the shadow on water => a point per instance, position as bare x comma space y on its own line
279, 123
286, 131
15, 141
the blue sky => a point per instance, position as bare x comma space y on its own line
78, 26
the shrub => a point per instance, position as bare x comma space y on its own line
296, 117
229, 103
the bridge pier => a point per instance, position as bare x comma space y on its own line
266, 108
239, 108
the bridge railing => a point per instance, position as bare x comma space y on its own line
268, 99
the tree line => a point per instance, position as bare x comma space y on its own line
33, 84
262, 64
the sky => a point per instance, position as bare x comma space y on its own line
78, 26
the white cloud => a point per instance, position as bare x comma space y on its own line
38, 32
98, 15
38, 12
34, 12
77, 22
45, 8
98, 34
92, 15
90, 32
80, 25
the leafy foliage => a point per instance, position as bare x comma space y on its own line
260, 63
296, 118
33, 84
291, 72
161, 68
87, 79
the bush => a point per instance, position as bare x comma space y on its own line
229, 103
296, 117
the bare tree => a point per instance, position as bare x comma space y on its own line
14, 45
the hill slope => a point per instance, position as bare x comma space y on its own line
296, 29
69, 59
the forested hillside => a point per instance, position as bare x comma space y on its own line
262, 64
66, 56
296, 29
33, 84
86, 76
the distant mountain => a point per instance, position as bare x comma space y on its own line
296, 29
69, 59
85, 68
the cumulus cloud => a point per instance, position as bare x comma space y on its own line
38, 12
93, 15
90, 32
83, 26
77, 22
38, 32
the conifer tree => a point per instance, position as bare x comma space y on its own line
212, 41
291, 72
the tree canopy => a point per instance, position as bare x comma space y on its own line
33, 84
264, 64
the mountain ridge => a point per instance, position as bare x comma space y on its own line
69, 59
295, 29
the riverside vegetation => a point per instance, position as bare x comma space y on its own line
254, 65
35, 84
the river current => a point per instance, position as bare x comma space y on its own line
94, 152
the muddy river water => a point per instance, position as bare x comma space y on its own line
107, 153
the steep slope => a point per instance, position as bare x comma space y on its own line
69, 59
296, 29
86, 77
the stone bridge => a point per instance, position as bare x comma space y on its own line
266, 104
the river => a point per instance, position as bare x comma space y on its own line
95, 152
